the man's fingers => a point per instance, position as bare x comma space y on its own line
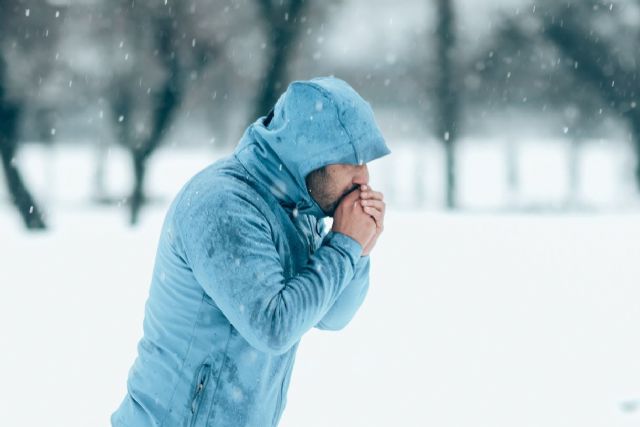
377, 204
370, 194
353, 196
377, 216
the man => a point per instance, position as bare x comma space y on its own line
244, 268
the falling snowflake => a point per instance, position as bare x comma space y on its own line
236, 394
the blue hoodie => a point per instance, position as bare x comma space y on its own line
244, 268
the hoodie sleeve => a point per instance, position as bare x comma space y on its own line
228, 245
349, 300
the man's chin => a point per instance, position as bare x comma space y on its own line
331, 212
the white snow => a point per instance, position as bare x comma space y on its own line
470, 320
484, 320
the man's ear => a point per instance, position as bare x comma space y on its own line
307, 181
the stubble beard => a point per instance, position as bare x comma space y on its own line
323, 192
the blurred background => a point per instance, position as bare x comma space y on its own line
505, 290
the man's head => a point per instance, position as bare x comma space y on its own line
314, 123
329, 184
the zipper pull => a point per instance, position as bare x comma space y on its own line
195, 398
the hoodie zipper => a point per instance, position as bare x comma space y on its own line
310, 239
201, 382
297, 222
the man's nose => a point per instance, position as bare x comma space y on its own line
362, 175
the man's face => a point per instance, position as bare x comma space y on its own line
329, 184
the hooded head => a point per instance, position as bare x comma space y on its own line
315, 123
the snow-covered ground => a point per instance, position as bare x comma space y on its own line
494, 320
471, 320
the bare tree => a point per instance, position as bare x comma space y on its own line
152, 81
283, 23
520, 71
163, 105
607, 61
20, 194
579, 58
26, 57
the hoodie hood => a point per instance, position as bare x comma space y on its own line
315, 123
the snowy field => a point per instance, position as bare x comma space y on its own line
495, 320
63, 176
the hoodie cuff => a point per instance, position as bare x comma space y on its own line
362, 261
344, 243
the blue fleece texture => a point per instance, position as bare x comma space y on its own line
244, 268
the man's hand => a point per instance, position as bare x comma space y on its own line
373, 205
351, 219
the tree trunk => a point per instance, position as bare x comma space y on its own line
513, 178
574, 171
137, 195
166, 105
446, 94
635, 134
273, 81
99, 176
20, 195
282, 28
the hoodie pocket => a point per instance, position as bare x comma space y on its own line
201, 380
